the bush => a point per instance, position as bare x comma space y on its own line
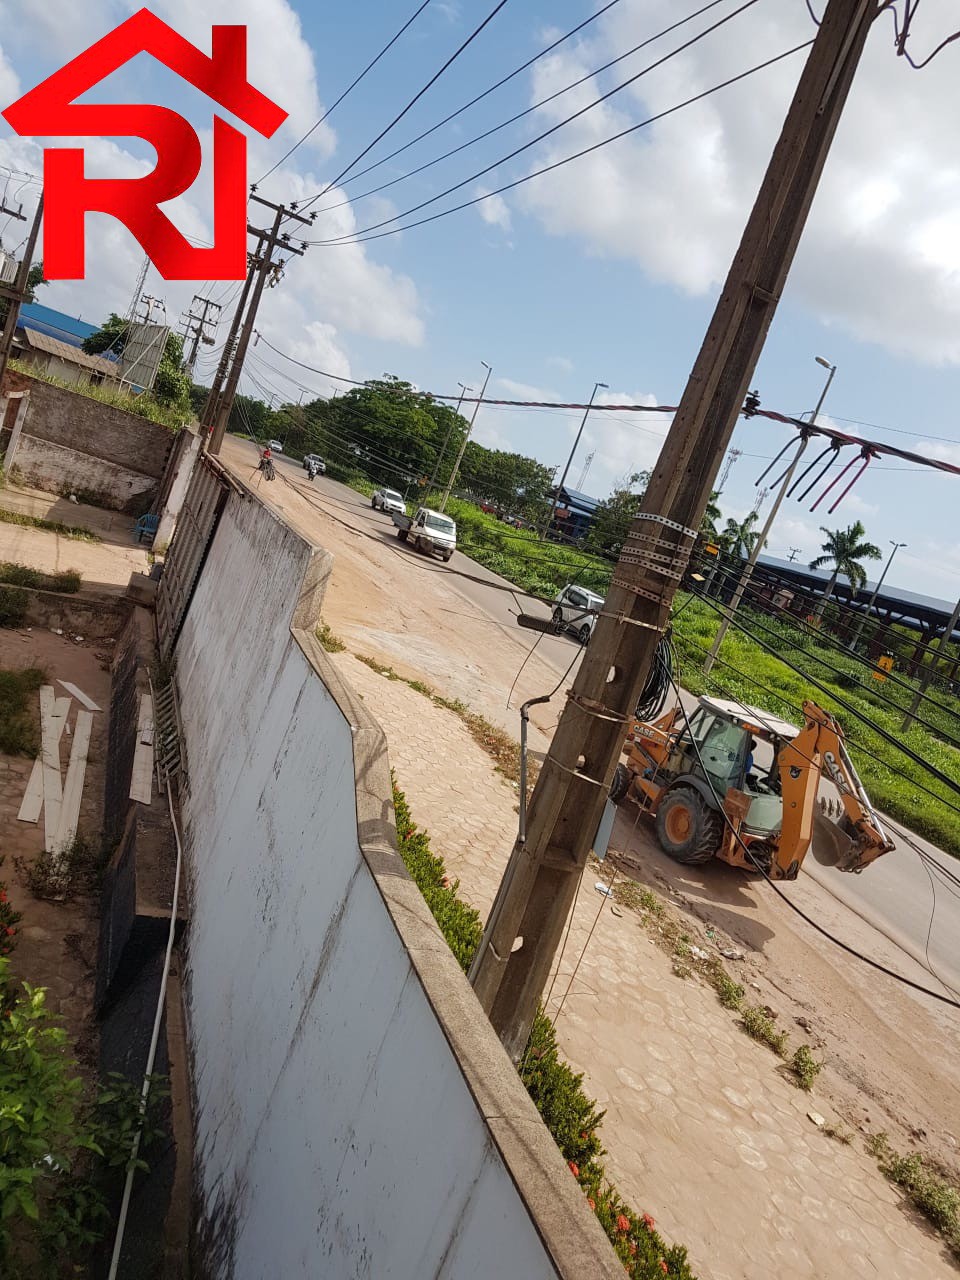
937, 1199
18, 730
21, 575
758, 1024
13, 606
9, 919
805, 1067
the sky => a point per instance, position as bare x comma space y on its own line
604, 270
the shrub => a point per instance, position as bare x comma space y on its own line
937, 1199
332, 643
13, 606
805, 1067
729, 992
21, 575
9, 919
567, 1112
18, 729
758, 1024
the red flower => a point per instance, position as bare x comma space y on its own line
623, 1222
663, 1266
592, 1203
9, 931
648, 1222
633, 1248
574, 1168
3, 895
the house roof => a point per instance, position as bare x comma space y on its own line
66, 351
578, 501
55, 323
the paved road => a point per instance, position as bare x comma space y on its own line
897, 894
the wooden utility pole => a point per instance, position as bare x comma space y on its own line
220, 401
538, 888
16, 293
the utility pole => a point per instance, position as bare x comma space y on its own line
216, 412
876, 591
16, 294
563, 478
794, 552
446, 438
198, 333
538, 888
463, 443
761, 541
927, 672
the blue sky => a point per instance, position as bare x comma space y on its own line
605, 270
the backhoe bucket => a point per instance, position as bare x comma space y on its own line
832, 846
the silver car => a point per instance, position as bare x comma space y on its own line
388, 500
572, 611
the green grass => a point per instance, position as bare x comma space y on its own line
936, 1198
13, 606
51, 526
21, 575
142, 406
331, 642
18, 718
892, 780
760, 1026
805, 1067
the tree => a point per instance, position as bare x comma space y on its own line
738, 540
613, 517
843, 551
172, 384
509, 481
708, 525
34, 281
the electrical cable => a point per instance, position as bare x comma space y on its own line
824, 932
486, 93
416, 98
520, 115
350, 87
364, 234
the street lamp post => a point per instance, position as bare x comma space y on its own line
563, 478
446, 438
876, 591
463, 445
761, 541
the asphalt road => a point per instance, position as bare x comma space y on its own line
908, 902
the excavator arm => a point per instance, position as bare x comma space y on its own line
853, 843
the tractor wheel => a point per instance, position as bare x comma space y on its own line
687, 828
620, 785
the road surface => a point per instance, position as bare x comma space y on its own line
910, 904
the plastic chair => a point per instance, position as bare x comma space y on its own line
146, 527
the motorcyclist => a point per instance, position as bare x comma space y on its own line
266, 463
312, 472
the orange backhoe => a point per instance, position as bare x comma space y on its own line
702, 782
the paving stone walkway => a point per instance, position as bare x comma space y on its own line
703, 1129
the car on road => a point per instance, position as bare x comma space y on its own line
572, 611
275, 446
430, 531
388, 500
314, 460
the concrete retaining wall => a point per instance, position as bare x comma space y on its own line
355, 1114
72, 443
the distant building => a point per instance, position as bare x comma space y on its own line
51, 342
573, 516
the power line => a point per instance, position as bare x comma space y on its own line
416, 98
527, 110
480, 96
350, 87
365, 233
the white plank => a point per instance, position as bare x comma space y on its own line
32, 803
73, 786
141, 778
50, 754
80, 696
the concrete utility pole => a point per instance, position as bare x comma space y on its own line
16, 294
198, 333
540, 881
463, 444
446, 438
928, 670
576, 442
764, 533
794, 552
876, 591
216, 412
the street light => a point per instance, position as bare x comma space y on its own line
760, 543
446, 438
563, 478
463, 446
876, 591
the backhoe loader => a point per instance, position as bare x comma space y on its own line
698, 779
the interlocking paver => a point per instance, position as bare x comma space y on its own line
678, 1126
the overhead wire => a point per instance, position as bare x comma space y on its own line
349, 89
365, 234
415, 99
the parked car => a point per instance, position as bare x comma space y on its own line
571, 611
388, 500
314, 459
429, 531
275, 446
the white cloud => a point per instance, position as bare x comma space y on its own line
880, 256
9, 80
939, 449
494, 210
561, 363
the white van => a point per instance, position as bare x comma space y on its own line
571, 611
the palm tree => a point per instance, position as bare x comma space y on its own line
843, 551
738, 540
708, 525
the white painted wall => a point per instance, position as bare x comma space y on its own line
337, 1134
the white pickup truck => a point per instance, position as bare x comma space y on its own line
429, 531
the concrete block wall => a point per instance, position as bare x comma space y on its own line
73, 443
354, 1113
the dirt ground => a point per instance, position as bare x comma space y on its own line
57, 943
890, 1061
